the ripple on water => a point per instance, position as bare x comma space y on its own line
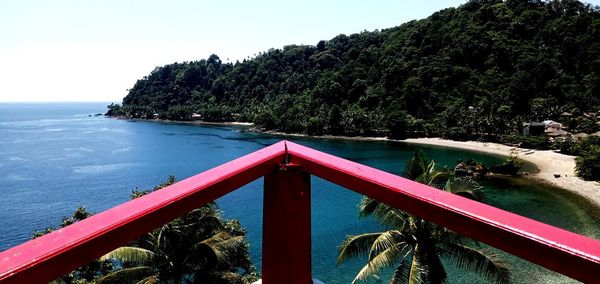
102, 169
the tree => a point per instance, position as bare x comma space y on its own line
511, 61
88, 272
587, 165
416, 245
200, 246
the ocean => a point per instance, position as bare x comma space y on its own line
55, 157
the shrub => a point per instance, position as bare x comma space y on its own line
588, 164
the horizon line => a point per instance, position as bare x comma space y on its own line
42, 102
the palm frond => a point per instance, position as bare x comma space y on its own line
432, 176
385, 214
401, 273
214, 222
389, 257
415, 166
444, 235
484, 262
367, 206
149, 280
465, 187
385, 241
356, 246
220, 247
127, 275
416, 270
130, 255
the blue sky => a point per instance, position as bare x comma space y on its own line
94, 50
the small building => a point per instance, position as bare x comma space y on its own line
552, 125
557, 133
196, 116
579, 136
533, 128
156, 115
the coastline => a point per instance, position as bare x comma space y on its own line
548, 162
193, 122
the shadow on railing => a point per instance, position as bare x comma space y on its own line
287, 168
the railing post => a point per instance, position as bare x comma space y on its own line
286, 227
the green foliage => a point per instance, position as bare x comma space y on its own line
88, 272
114, 109
199, 247
565, 146
530, 142
587, 165
415, 246
476, 71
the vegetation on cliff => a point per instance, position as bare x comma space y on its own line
475, 71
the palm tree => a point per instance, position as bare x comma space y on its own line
197, 248
415, 246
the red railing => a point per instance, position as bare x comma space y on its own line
286, 250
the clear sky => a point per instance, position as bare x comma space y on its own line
95, 50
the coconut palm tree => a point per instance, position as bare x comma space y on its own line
197, 248
415, 246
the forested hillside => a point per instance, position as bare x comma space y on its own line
477, 70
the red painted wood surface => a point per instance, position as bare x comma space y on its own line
57, 253
565, 252
286, 242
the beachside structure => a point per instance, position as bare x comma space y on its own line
533, 128
286, 169
552, 125
579, 136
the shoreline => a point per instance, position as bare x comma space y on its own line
193, 122
547, 162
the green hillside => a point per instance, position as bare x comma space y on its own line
477, 70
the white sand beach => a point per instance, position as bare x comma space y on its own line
548, 162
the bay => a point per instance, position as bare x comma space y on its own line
55, 157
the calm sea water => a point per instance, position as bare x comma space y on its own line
54, 157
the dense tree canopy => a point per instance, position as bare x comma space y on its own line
479, 69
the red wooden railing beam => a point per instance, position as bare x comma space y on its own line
565, 252
286, 227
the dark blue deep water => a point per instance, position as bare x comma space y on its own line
55, 157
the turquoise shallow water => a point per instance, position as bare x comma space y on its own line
54, 157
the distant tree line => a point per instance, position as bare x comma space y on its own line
475, 71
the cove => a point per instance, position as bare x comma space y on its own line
54, 157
